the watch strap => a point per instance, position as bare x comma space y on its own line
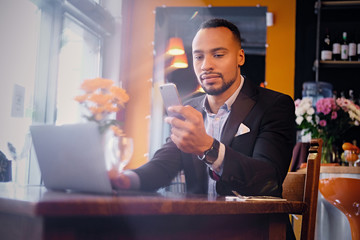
210, 155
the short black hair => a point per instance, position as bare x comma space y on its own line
219, 22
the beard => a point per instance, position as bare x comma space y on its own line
225, 85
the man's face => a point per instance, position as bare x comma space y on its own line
217, 57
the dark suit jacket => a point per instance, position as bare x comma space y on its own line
255, 163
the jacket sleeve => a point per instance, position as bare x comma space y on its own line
161, 170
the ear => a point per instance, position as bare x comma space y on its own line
241, 57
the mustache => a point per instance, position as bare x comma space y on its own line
202, 75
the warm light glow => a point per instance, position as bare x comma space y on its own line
199, 89
176, 46
179, 61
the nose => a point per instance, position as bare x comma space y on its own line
207, 64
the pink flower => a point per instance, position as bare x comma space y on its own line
343, 103
326, 105
334, 115
322, 123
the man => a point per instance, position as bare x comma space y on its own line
236, 137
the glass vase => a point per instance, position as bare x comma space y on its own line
328, 153
118, 151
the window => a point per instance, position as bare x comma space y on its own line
49, 49
79, 58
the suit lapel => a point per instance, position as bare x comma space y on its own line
239, 110
199, 104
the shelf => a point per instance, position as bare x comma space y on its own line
346, 19
339, 4
339, 64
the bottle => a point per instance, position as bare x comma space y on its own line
352, 49
336, 49
335, 94
344, 47
326, 50
351, 95
342, 94
358, 46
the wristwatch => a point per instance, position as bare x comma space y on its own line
210, 155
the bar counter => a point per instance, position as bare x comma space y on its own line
33, 212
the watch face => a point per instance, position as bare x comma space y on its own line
211, 157
212, 154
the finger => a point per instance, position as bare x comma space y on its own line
183, 139
180, 144
185, 129
182, 135
175, 122
188, 112
174, 111
169, 120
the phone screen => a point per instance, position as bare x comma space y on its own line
171, 97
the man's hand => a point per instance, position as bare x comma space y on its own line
190, 135
119, 180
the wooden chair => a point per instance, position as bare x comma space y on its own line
303, 186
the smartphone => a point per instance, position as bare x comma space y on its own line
171, 97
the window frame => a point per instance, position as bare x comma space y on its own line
89, 15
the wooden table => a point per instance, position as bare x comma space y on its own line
35, 213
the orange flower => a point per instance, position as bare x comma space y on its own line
81, 98
111, 108
117, 131
91, 85
97, 110
120, 95
98, 117
100, 99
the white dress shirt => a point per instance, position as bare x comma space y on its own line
214, 123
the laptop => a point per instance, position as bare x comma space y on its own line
71, 158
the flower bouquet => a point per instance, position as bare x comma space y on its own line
329, 121
101, 99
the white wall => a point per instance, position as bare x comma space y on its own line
19, 26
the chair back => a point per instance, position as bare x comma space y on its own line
303, 186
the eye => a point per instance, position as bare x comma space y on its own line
218, 55
198, 57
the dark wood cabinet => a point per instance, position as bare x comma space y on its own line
313, 19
